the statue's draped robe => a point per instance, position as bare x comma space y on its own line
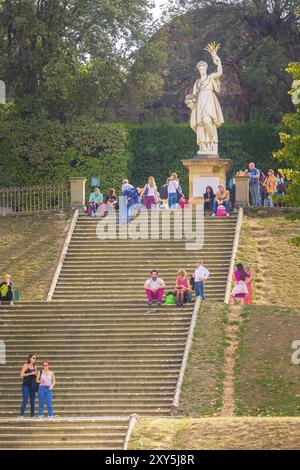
207, 105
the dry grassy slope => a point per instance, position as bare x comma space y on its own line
216, 433
29, 250
266, 380
202, 389
274, 261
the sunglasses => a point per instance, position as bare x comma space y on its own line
45, 365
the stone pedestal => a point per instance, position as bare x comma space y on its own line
242, 190
205, 170
78, 193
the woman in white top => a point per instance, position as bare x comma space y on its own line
149, 193
173, 184
46, 381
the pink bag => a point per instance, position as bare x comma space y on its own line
221, 211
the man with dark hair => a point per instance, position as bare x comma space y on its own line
154, 288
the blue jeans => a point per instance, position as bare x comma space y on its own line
27, 392
172, 200
224, 203
123, 211
269, 201
45, 395
255, 194
199, 289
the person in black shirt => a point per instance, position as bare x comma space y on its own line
6, 289
208, 197
29, 387
111, 200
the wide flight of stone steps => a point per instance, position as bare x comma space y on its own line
112, 354
111, 270
109, 359
63, 434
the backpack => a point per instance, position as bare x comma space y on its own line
4, 288
164, 191
221, 211
170, 299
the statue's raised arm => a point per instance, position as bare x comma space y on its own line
206, 113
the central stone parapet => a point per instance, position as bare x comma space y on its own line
205, 170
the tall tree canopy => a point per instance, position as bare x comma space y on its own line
259, 38
60, 56
290, 153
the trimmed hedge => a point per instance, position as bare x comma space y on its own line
158, 149
47, 152
50, 152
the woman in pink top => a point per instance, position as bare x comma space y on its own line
240, 290
182, 285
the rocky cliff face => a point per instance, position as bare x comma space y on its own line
254, 56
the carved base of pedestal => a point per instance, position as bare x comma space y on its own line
206, 156
203, 172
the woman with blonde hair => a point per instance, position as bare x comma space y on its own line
173, 187
6, 290
149, 193
182, 287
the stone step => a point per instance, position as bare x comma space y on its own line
99, 324
133, 292
84, 413
114, 408
132, 285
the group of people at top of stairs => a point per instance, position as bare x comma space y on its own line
134, 199
155, 286
263, 187
37, 381
170, 196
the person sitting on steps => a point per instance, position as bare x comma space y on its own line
222, 198
182, 288
6, 290
209, 198
95, 201
154, 288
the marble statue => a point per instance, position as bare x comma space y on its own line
206, 115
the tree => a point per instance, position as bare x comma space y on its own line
290, 153
53, 50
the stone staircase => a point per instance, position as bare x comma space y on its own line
110, 270
111, 353
63, 434
109, 360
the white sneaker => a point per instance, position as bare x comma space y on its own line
213, 215
41, 417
